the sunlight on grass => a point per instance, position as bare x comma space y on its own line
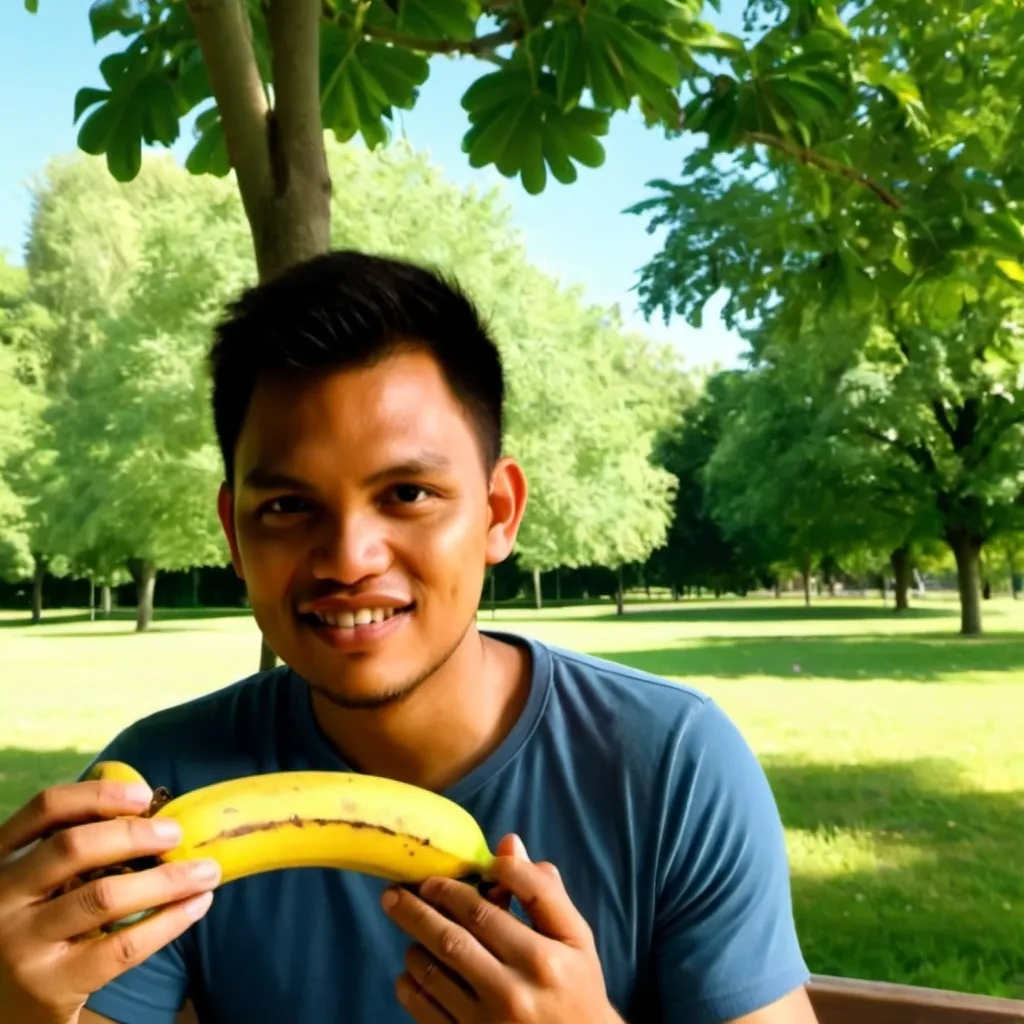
892, 744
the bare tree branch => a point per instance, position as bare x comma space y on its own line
824, 163
225, 39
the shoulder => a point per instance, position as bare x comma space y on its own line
221, 734
671, 733
622, 701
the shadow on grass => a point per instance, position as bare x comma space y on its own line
71, 616
736, 611
950, 916
919, 658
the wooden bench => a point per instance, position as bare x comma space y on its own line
850, 1001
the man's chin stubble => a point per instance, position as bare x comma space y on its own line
374, 702
391, 697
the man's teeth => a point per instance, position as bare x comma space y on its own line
349, 620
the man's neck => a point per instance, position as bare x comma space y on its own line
450, 724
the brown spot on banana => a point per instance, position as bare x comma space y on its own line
297, 822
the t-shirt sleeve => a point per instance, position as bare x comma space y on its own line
725, 941
155, 990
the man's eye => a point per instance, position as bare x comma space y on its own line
409, 494
288, 505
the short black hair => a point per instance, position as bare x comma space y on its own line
347, 309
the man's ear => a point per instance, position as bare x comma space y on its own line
507, 501
226, 512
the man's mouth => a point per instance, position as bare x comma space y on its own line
353, 619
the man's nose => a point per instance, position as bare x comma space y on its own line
349, 549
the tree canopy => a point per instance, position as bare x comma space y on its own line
912, 269
127, 468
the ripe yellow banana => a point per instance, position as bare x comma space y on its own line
118, 771
350, 821
328, 819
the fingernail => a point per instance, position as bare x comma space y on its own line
389, 899
520, 848
198, 905
205, 870
166, 828
138, 793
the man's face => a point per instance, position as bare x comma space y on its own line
362, 518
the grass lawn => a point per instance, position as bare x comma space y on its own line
894, 747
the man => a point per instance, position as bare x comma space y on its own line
358, 405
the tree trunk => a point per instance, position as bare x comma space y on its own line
805, 575
558, 585
92, 600
538, 600
967, 551
903, 573
675, 592
145, 585
620, 597
278, 154
777, 587
38, 576
106, 600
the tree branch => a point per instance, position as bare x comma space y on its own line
225, 39
481, 45
918, 453
824, 163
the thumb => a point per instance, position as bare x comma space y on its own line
512, 846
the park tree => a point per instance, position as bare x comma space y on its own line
697, 552
20, 409
918, 256
778, 470
25, 330
132, 480
264, 80
130, 477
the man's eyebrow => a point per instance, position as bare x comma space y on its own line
262, 478
420, 464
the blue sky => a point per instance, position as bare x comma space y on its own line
577, 232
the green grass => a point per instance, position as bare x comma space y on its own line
894, 748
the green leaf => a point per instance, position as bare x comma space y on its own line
86, 97
157, 99
193, 83
703, 38
571, 68
108, 16
437, 19
32, 6
901, 258
1012, 269
210, 154
361, 81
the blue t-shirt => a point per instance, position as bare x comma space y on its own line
641, 791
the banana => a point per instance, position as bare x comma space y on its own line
343, 820
116, 770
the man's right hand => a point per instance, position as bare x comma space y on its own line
49, 962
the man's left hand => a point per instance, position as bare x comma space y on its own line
475, 963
